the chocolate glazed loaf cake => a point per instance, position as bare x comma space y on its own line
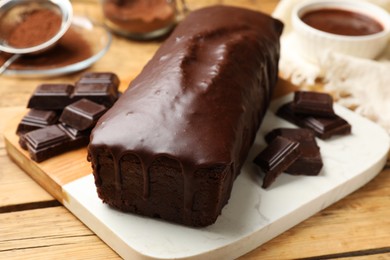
173, 144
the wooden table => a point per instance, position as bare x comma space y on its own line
33, 225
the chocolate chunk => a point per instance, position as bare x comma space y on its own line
103, 93
310, 161
101, 88
22, 142
81, 107
82, 114
35, 119
100, 77
78, 138
323, 127
46, 142
74, 133
313, 103
276, 158
51, 96
50, 141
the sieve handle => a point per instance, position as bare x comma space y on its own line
8, 62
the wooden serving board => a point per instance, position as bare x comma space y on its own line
252, 216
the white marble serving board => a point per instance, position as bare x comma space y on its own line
253, 215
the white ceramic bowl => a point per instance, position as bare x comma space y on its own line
313, 42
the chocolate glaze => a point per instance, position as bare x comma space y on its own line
199, 100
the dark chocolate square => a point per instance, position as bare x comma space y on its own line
46, 142
82, 114
313, 103
102, 93
51, 96
100, 77
277, 157
51, 141
35, 119
45, 137
73, 132
323, 127
310, 162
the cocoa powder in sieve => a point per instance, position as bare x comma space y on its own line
70, 49
35, 28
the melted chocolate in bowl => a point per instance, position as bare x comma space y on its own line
342, 22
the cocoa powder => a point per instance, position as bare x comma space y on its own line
36, 27
71, 48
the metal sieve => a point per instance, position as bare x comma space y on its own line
12, 12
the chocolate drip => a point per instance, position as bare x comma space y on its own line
189, 184
118, 172
145, 164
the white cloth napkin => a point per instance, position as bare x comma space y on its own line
361, 84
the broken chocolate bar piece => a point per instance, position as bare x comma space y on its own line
78, 138
100, 77
82, 114
276, 158
40, 132
313, 103
74, 133
103, 93
46, 142
101, 88
323, 127
51, 96
22, 142
50, 141
310, 161
35, 119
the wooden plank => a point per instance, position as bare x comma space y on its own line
359, 222
366, 257
48, 234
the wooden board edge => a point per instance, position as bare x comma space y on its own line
25, 163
